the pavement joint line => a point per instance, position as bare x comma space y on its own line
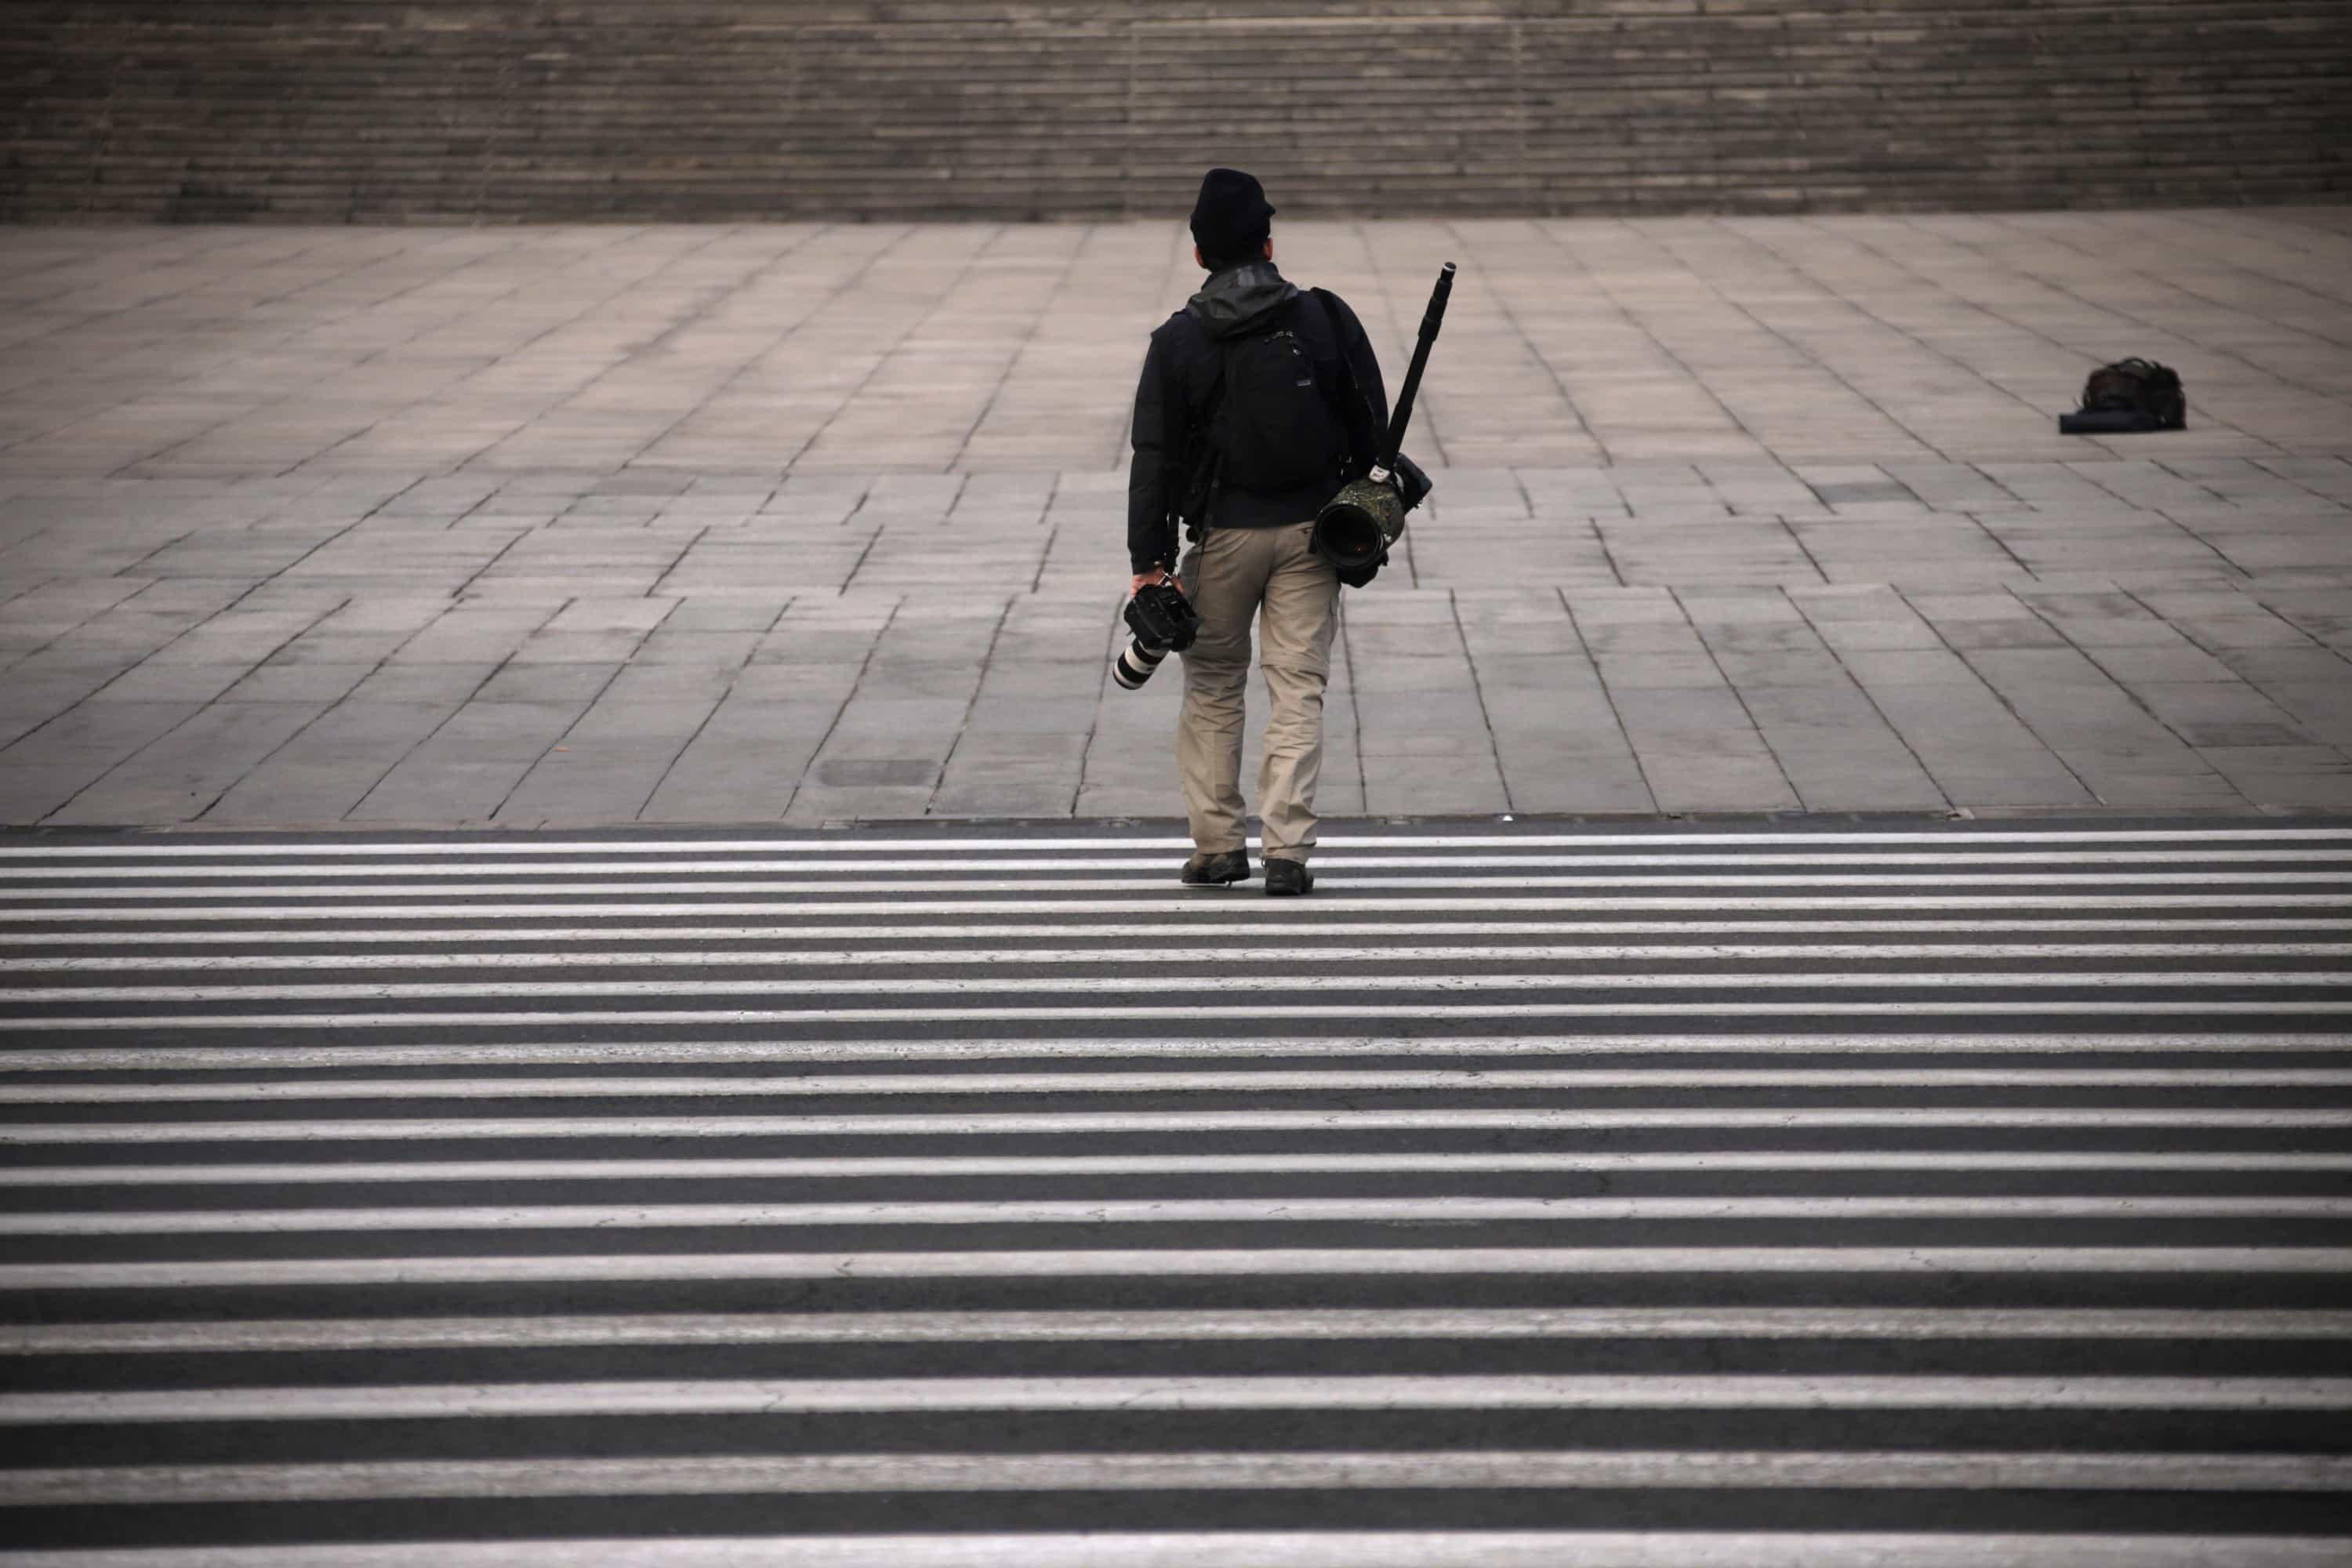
987, 659
1485, 716
865, 667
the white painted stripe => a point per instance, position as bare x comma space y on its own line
460, 845
1075, 926
1170, 957
964, 1167
183, 876
1080, 1327
1762, 1044
1271, 1549
1125, 985
1265, 1081
776, 1396
1147, 1122
1177, 1263
1147, 1211
1174, 905
421, 1019
1325, 880
1324, 1470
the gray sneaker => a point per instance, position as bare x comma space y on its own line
1287, 878
1216, 871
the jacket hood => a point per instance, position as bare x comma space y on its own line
1231, 301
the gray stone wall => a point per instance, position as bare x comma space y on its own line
372, 110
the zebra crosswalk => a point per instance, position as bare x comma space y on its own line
1818, 1195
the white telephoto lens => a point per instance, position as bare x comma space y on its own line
1135, 663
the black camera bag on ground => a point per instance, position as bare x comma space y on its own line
2126, 397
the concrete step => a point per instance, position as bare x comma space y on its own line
345, 109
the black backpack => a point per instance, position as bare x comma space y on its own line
2130, 394
1277, 425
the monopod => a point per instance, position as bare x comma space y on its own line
1355, 527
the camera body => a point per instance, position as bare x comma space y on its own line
1162, 622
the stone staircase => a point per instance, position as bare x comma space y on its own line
372, 110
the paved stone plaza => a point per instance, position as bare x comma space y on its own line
594, 524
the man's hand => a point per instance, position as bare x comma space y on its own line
1143, 579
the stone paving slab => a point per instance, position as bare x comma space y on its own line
425, 656
696, 352
800, 523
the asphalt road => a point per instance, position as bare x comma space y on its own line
1796, 1194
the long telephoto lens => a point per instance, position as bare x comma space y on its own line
1135, 662
1348, 536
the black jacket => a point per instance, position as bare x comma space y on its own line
1179, 370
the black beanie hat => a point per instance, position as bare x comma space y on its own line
1230, 220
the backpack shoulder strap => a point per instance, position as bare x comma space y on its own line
1355, 411
1219, 353
1202, 465
1327, 302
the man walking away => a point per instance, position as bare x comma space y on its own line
1257, 401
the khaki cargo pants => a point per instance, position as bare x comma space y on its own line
1231, 576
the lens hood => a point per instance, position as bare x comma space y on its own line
1355, 527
